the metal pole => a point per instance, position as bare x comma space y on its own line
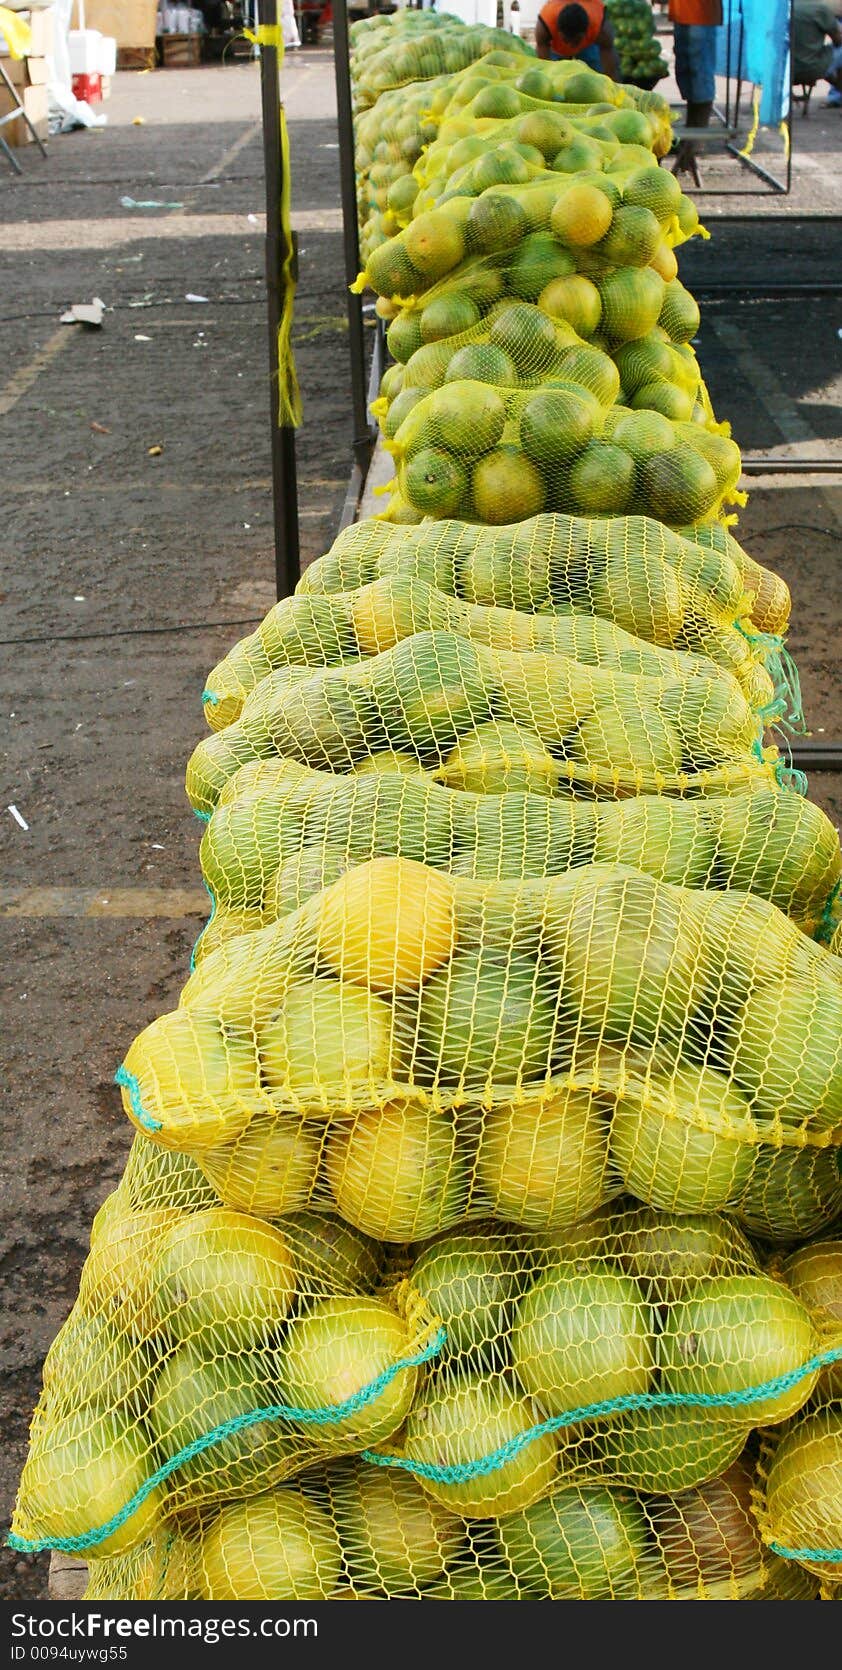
817, 756
790, 131
759, 465
363, 435
278, 250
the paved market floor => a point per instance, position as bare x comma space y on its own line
137, 544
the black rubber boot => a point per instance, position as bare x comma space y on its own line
698, 116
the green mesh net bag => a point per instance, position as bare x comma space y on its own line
633, 24
420, 52
417, 137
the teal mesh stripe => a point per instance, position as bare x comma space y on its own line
828, 1555
274, 1412
128, 1082
209, 698
197, 941
460, 1472
785, 673
204, 817
789, 777
831, 915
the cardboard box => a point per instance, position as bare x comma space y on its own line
131, 22
26, 72
181, 51
34, 101
41, 24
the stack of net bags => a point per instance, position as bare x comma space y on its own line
541, 335
633, 25
481, 1233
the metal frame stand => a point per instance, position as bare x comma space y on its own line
363, 388
279, 247
12, 116
730, 119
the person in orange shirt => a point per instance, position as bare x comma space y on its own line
694, 23
577, 31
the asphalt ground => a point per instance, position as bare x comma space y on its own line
126, 574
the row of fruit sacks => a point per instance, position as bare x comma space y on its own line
506, 1086
541, 332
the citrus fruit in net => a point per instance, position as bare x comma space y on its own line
582, 216
526, 335
470, 1417
558, 424
280, 1546
575, 299
388, 925
496, 223
395, 1536
225, 1276
601, 481
486, 1019
582, 1542
434, 242
396, 1173
655, 189
662, 1451
543, 1163
804, 1489
668, 1157
582, 1335
471, 1280
537, 261
447, 315
435, 482
507, 487
632, 299
467, 415
335, 1349
733, 1333
482, 362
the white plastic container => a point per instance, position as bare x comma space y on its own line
85, 47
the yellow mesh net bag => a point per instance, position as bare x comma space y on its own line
612, 594
282, 832
290, 1409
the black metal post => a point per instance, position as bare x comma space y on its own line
759, 465
278, 252
817, 756
363, 434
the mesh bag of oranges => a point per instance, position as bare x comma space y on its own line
487, 111
616, 567
281, 833
477, 1235
799, 1499
418, 51
593, 733
246, 1406
626, 594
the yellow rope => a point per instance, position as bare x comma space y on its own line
289, 393
755, 124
